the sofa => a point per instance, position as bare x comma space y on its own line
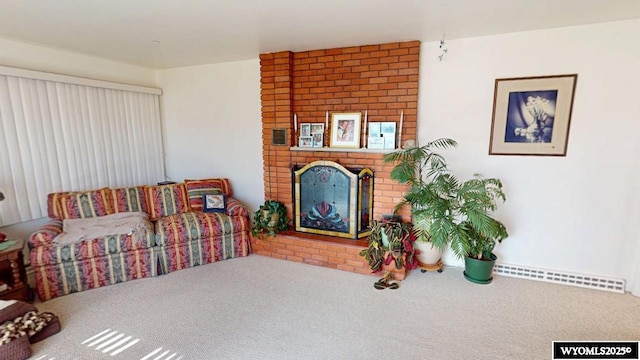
175, 234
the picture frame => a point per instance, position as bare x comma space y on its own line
531, 115
317, 129
278, 137
214, 203
375, 140
345, 130
305, 129
306, 141
318, 139
388, 133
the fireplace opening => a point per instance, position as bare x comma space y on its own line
330, 199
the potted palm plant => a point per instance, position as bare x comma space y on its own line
390, 251
477, 231
448, 212
429, 195
270, 219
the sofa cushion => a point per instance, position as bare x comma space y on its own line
166, 200
129, 199
80, 204
195, 225
197, 188
73, 276
87, 249
203, 251
214, 203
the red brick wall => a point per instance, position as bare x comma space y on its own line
307, 250
381, 79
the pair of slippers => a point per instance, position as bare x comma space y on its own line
384, 284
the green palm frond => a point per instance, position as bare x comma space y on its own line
447, 211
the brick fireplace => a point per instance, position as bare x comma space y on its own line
381, 79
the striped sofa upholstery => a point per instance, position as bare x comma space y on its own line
177, 237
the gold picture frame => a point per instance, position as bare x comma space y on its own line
531, 115
345, 130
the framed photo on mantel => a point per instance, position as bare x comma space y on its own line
375, 141
345, 130
382, 135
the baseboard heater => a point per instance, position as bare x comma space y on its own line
561, 277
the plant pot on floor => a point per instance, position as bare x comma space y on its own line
270, 219
429, 255
479, 271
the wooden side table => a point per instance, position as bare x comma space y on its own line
12, 272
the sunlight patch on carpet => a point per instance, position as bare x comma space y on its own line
161, 356
110, 342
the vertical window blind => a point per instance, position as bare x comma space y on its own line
61, 133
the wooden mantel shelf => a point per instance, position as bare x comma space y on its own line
329, 149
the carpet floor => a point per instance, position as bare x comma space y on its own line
262, 308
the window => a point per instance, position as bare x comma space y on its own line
61, 133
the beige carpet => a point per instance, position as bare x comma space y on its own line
262, 308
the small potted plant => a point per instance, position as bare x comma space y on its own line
390, 251
270, 219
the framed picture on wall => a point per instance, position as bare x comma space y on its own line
531, 115
345, 130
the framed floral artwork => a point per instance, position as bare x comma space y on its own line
345, 130
531, 115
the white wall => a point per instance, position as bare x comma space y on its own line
33, 57
577, 213
212, 125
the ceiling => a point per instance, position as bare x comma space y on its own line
171, 33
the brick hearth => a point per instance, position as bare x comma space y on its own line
382, 79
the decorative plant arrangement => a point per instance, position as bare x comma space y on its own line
476, 234
429, 195
270, 219
448, 212
391, 251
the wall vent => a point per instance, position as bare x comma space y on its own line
561, 277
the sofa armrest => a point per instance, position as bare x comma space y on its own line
46, 234
236, 208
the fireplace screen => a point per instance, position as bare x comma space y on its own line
333, 200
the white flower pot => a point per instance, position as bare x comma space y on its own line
428, 255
